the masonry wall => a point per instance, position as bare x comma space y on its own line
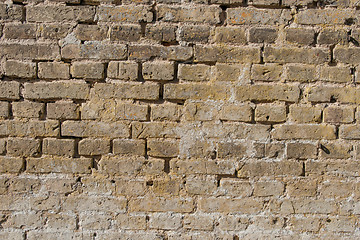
170, 119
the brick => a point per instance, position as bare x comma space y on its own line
236, 112
33, 235
224, 205
59, 165
29, 51
90, 32
158, 70
84, 203
199, 111
198, 72
302, 187
280, 92
194, 33
198, 14
56, 90
52, 13
20, 69
226, 54
125, 13
195, 91
94, 50
160, 204
198, 149
270, 113
266, 72
11, 12
129, 147
148, 52
198, 222
131, 111
296, 55
60, 221
267, 168
53, 70
336, 74
94, 147
343, 224
301, 73
301, 150
29, 220
240, 16
335, 189
155, 130
124, 221
232, 72
4, 109
233, 223
162, 148
302, 36
62, 110
20, 31
324, 16
28, 109
201, 185
130, 33
235, 187
233, 35
202, 167
130, 187
87, 70
232, 149
9, 90
335, 150
304, 131
11, 165
165, 221
271, 150
54, 30
99, 109
98, 186
95, 221
331, 36
347, 55
147, 91
166, 112
161, 32
262, 35
265, 2
314, 206
59, 147
94, 129
123, 165
332, 94
123, 70
339, 114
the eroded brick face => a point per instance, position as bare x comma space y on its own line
179, 119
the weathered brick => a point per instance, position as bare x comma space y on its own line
332, 94
155, 130
87, 70
131, 33
147, 52
127, 90
123, 70
347, 55
235, 187
124, 221
314, 206
336, 74
94, 221
197, 14
131, 187
239, 16
270, 113
129, 147
131, 111
11, 165
11, 12
203, 167
90, 32
194, 33
166, 112
204, 185
236, 112
161, 204
53, 13
301, 150
59, 147
94, 147
233, 35
124, 13
166, 221
233, 223
200, 111
94, 129
84, 203
224, 205
310, 224
162, 148
29, 220
158, 70
94, 50
296, 55
324, 16
26, 109
60, 221
289, 93
161, 32
304, 131
301, 36
232, 72
262, 35
62, 110
265, 2
349, 132
226, 54
301, 73
30, 128
198, 222
268, 168
335, 150
302, 187
53, 70
20, 69
264, 189
195, 91
56, 90
29, 51
20, 31
331, 36
54, 30
339, 114
59, 165
198, 72
4, 109
232, 149
9, 90
266, 72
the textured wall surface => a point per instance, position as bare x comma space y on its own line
176, 119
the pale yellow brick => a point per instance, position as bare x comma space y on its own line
225, 205
14, 68
203, 185
270, 113
23, 147
62, 110
336, 74
301, 73
235, 187
232, 72
131, 111
53, 70
94, 147
123, 70
301, 150
158, 70
265, 189
132, 222
162, 148
236, 112
339, 114
266, 72
305, 113
166, 112
165, 221
129, 146
95, 221
28, 109
304, 131
87, 70
59, 165
161, 204
199, 222
198, 72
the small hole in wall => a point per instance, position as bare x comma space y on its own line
349, 21
149, 183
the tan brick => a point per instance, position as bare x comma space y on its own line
52, 13
302, 187
198, 222
129, 146
19, 31
301, 150
54, 30
161, 204
198, 14
62, 110
301, 73
341, 223
94, 50
332, 36
301, 36
331, 94
125, 13
94, 147
95, 221
240, 16
335, 189
87, 70
230, 35
233, 223
15, 203
349, 132
84, 203
232, 149
236, 112
200, 111
162, 148
27, 221
123, 70
235, 187
60, 147
147, 91
305, 113
135, 222
266, 72
33, 235
11, 165
347, 55
9, 90
314, 206
270, 113
166, 112
131, 111
28, 109
335, 150
148, 52
155, 130
102, 186
29, 51
224, 205
11, 12
226, 54
166, 186
201, 185
339, 114
158, 70
203, 167
20, 69
23, 147
304, 131
100, 109
296, 55
161, 32
198, 72
265, 168
60, 221
194, 33
59, 165
195, 91
336, 74
131, 187
324, 16
130, 33
265, 189
165, 221
94, 129
289, 93
56, 90
91, 32
233, 72
309, 224
263, 34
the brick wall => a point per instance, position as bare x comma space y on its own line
179, 119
